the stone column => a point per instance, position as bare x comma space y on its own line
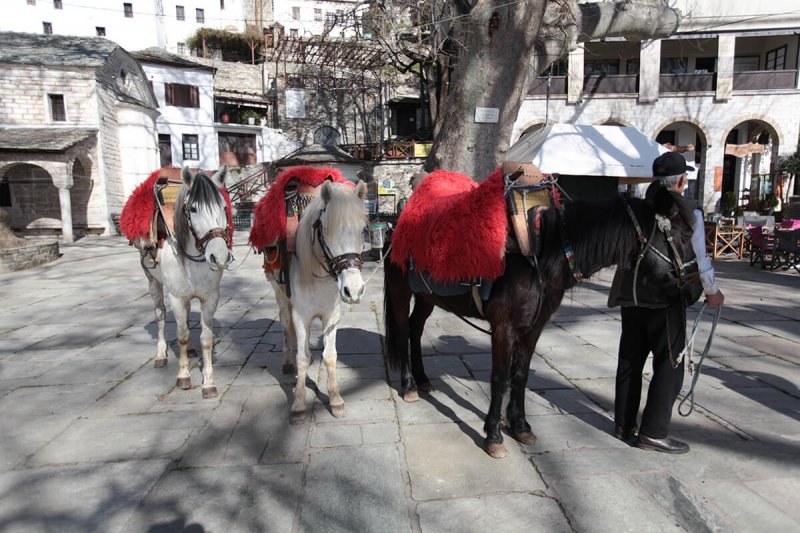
649, 71
575, 76
725, 52
66, 213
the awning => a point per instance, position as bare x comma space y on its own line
576, 150
55, 140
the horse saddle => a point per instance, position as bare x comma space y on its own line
165, 192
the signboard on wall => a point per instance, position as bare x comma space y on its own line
295, 103
717, 179
487, 115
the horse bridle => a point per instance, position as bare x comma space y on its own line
664, 225
201, 242
334, 265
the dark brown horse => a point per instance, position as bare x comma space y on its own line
525, 296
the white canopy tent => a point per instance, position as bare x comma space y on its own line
569, 149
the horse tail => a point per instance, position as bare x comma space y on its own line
393, 305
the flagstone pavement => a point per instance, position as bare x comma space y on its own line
94, 438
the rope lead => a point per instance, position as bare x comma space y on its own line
695, 370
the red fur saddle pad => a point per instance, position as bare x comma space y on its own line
140, 213
269, 223
454, 228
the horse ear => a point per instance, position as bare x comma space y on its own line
361, 189
186, 176
326, 191
219, 176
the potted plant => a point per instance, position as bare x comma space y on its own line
251, 116
727, 203
770, 203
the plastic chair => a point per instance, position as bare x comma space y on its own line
762, 247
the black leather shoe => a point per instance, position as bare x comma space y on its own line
666, 445
625, 434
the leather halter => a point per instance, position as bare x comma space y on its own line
201, 242
334, 265
663, 224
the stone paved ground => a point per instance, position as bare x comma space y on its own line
93, 438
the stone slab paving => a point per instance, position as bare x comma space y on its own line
93, 438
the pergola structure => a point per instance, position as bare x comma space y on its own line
324, 52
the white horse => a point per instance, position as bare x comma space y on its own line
191, 266
326, 267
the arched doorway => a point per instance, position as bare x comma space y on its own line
750, 163
34, 200
327, 136
691, 142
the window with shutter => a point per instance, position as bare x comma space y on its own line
181, 95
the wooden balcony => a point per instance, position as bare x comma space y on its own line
610, 84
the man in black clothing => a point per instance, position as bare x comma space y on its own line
652, 324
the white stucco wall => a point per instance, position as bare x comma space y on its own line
177, 121
306, 25
139, 158
144, 30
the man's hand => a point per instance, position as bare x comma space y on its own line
716, 299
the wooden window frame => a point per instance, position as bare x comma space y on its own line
181, 95
57, 115
47, 28
775, 52
190, 142
100, 31
180, 13
127, 8
200, 15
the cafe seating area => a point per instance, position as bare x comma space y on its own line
770, 245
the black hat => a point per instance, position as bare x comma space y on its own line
670, 164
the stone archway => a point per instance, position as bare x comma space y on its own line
614, 121
751, 145
530, 127
690, 139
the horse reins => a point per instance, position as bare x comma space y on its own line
664, 226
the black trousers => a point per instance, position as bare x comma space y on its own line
662, 332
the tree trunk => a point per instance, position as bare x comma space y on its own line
501, 46
492, 67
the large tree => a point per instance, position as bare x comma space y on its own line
483, 53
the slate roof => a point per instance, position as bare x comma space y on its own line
162, 57
56, 50
42, 139
235, 79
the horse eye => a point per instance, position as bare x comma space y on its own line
193, 209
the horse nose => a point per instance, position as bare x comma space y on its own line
213, 259
347, 292
361, 292
229, 259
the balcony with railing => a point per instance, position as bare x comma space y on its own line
687, 83
764, 80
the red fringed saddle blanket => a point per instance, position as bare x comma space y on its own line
140, 216
454, 228
270, 224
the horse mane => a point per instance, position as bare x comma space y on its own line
344, 210
600, 233
203, 194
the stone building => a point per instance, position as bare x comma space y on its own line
724, 91
77, 132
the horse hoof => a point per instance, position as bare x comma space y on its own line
184, 383
160, 362
425, 387
496, 450
209, 392
297, 417
525, 437
191, 352
288, 369
411, 396
338, 411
